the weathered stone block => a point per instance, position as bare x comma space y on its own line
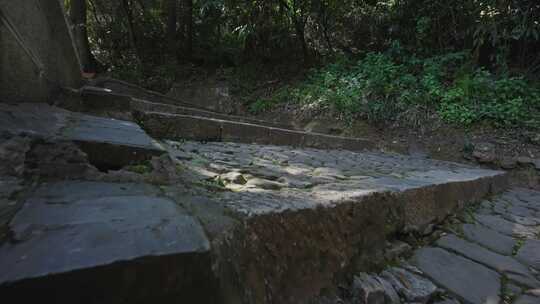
86, 242
37, 54
244, 133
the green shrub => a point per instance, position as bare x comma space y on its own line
381, 88
480, 96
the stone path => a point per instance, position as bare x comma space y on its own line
302, 215
236, 222
493, 258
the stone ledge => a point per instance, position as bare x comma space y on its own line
110, 143
314, 215
88, 242
185, 127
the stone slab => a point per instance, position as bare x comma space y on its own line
489, 238
337, 176
122, 87
467, 280
109, 143
527, 299
244, 133
506, 227
150, 101
523, 197
529, 254
514, 270
100, 99
412, 287
307, 214
99, 231
179, 127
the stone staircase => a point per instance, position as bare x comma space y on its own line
173, 120
249, 211
145, 100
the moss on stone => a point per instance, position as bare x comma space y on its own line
142, 168
519, 243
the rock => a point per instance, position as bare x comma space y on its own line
533, 292
527, 299
484, 152
489, 238
63, 160
294, 182
508, 163
9, 186
391, 296
524, 161
396, 249
537, 164
263, 184
466, 279
329, 173
13, 155
325, 126
233, 177
412, 287
503, 264
368, 289
529, 254
264, 173
534, 138
428, 230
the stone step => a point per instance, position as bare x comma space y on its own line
278, 224
112, 94
94, 242
292, 221
186, 127
109, 143
125, 88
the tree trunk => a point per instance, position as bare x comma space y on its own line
77, 16
300, 27
172, 6
188, 28
299, 19
126, 5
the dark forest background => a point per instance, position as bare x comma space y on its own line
465, 61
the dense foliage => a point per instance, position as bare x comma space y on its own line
393, 86
226, 31
465, 60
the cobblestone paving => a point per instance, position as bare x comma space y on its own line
274, 186
285, 178
492, 258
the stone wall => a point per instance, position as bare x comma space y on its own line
37, 54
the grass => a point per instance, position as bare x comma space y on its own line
142, 168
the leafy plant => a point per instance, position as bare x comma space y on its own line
382, 87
